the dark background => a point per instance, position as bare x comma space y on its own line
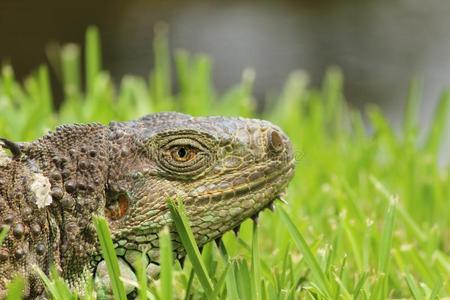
379, 45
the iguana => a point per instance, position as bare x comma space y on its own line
224, 169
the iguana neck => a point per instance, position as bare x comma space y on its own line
75, 159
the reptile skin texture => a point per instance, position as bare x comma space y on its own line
225, 170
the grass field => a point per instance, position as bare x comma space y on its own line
369, 209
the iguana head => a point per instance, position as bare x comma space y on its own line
224, 169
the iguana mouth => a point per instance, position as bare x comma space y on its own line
232, 190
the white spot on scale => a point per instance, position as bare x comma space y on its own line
40, 187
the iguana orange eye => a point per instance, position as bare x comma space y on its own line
183, 153
183, 157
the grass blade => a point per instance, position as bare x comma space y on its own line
310, 260
49, 285
256, 263
142, 279
110, 257
187, 294
360, 284
15, 289
220, 283
412, 107
386, 238
436, 290
70, 56
166, 260
93, 57
60, 286
160, 79
243, 280
439, 125
187, 239
413, 287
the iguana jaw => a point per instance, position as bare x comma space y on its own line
279, 178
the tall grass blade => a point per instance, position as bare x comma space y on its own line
436, 291
256, 272
93, 59
187, 239
359, 285
410, 124
70, 56
50, 286
166, 260
243, 280
386, 238
220, 283
187, 294
60, 285
15, 289
310, 260
142, 280
160, 79
436, 135
413, 287
110, 257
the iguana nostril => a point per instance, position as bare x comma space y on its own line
275, 141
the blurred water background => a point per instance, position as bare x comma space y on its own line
379, 45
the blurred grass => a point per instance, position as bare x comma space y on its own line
369, 209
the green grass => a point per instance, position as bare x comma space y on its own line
368, 214
111, 260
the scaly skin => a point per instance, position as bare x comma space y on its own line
224, 169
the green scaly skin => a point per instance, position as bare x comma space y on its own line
224, 169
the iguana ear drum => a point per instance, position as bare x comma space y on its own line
118, 208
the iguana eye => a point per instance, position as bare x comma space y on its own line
183, 153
